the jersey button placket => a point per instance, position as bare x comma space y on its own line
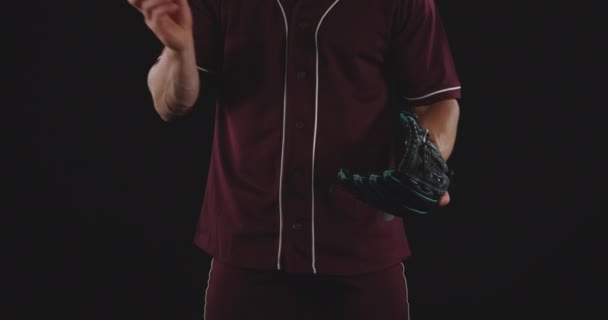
301, 75
301, 115
304, 25
294, 180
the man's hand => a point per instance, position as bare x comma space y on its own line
418, 184
444, 200
169, 20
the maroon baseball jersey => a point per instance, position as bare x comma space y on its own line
308, 87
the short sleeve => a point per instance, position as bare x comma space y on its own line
423, 70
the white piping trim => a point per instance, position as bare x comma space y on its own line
207, 290
407, 299
314, 143
432, 93
203, 69
283, 142
198, 67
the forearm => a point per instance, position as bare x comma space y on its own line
441, 119
174, 83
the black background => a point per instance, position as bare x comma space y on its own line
107, 195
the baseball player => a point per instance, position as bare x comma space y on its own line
307, 87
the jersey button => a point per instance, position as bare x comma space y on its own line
300, 124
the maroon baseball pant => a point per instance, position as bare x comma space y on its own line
244, 294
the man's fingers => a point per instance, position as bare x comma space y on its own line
145, 6
169, 20
149, 7
136, 4
156, 14
444, 200
182, 2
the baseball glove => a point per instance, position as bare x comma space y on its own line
415, 186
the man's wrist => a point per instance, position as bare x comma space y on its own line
179, 55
